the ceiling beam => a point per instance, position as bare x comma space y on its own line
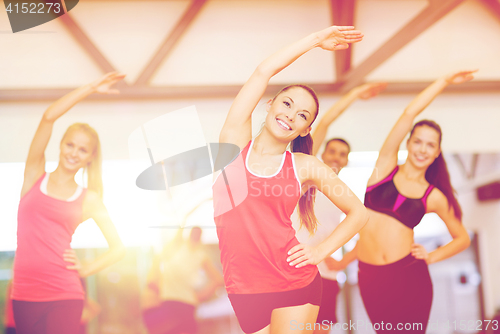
493, 6
206, 92
81, 37
343, 15
170, 42
148, 92
426, 18
470, 87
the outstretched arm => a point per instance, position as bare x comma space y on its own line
237, 128
388, 155
35, 163
364, 92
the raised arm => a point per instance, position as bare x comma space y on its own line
364, 92
237, 129
388, 155
35, 163
315, 173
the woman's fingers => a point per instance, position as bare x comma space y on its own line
341, 46
295, 252
301, 261
352, 34
70, 259
419, 252
69, 255
118, 76
296, 248
344, 28
300, 255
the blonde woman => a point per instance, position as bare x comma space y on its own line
47, 293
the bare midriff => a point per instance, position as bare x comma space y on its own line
383, 240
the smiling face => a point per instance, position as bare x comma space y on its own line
77, 150
335, 155
423, 146
291, 113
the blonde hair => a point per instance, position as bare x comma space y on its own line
94, 168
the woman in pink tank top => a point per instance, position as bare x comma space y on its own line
47, 293
272, 280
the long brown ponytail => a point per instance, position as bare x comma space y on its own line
305, 145
437, 173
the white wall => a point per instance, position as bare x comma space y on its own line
470, 122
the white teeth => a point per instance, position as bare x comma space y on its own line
283, 124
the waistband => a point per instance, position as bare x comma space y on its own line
406, 261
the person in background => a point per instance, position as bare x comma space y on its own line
335, 155
175, 285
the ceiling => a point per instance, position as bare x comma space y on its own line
207, 48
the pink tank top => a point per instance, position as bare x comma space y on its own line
252, 215
45, 226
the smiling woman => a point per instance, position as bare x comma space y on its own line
394, 279
271, 278
47, 293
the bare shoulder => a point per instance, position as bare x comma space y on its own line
30, 178
436, 201
92, 201
303, 160
310, 168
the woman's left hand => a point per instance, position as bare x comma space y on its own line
302, 255
338, 38
103, 84
70, 256
419, 252
460, 77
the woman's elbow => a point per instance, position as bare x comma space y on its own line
463, 240
263, 71
119, 251
364, 216
466, 242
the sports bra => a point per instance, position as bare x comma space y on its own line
384, 197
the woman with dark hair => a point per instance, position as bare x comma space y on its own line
393, 276
272, 280
47, 295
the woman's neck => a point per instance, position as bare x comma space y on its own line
412, 173
266, 144
62, 176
